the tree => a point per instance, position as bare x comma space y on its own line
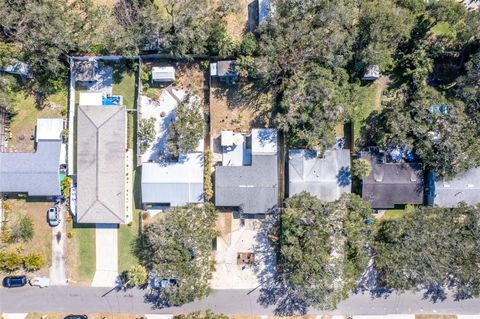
430, 248
137, 276
186, 131
202, 315
33, 261
8, 51
146, 133
248, 46
10, 261
22, 229
179, 247
324, 247
361, 168
382, 27
220, 42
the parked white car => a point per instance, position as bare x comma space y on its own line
41, 282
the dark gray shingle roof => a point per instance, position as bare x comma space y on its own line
391, 184
252, 188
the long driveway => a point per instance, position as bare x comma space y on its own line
89, 299
106, 246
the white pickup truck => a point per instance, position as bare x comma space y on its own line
41, 282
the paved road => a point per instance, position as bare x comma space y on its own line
89, 299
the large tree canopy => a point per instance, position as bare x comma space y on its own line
431, 248
178, 246
324, 247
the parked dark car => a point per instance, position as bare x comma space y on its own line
76, 317
14, 281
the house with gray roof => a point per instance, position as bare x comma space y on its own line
36, 174
248, 177
327, 177
465, 187
391, 184
101, 161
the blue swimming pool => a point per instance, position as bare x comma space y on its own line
111, 100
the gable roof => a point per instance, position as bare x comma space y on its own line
176, 183
324, 177
390, 184
101, 146
464, 187
253, 188
34, 173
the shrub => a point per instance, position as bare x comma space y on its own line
147, 133
248, 45
10, 261
33, 261
7, 205
137, 276
22, 229
66, 184
69, 234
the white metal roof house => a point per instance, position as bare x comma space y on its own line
163, 74
172, 184
36, 174
465, 187
326, 177
248, 177
101, 164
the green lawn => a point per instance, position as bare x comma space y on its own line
366, 104
393, 214
84, 236
444, 29
127, 235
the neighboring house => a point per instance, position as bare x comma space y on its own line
224, 70
248, 177
371, 73
101, 162
36, 174
163, 74
391, 184
465, 187
173, 183
326, 177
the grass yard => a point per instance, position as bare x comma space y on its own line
237, 23
366, 104
23, 123
42, 237
124, 84
127, 235
82, 263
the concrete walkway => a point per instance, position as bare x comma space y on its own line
106, 242
58, 270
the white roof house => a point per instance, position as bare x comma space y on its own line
163, 74
49, 129
91, 98
173, 183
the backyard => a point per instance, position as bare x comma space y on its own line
22, 125
41, 241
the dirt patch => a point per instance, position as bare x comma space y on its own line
381, 84
238, 107
42, 237
237, 23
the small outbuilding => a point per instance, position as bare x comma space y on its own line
163, 74
225, 70
371, 73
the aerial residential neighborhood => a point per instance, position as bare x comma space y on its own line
197, 159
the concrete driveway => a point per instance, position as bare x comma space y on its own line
249, 237
106, 243
58, 271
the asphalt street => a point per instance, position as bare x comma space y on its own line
90, 299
